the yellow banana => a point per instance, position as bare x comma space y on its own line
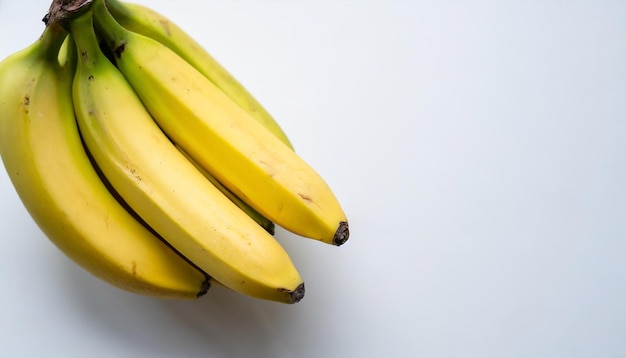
145, 21
164, 188
43, 154
241, 153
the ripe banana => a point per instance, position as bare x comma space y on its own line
164, 188
220, 136
43, 154
147, 22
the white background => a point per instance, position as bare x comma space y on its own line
478, 148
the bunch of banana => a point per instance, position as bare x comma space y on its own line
149, 165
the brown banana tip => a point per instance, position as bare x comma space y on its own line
271, 229
206, 284
296, 295
342, 234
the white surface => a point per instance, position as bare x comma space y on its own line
478, 148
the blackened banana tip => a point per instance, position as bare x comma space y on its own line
298, 294
271, 229
205, 287
342, 234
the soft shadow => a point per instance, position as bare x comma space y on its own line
222, 323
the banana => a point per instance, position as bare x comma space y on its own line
260, 219
145, 21
43, 154
240, 152
164, 188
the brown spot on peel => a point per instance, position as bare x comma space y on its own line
305, 197
166, 26
119, 50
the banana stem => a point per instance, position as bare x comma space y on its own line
51, 40
85, 39
61, 10
115, 34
